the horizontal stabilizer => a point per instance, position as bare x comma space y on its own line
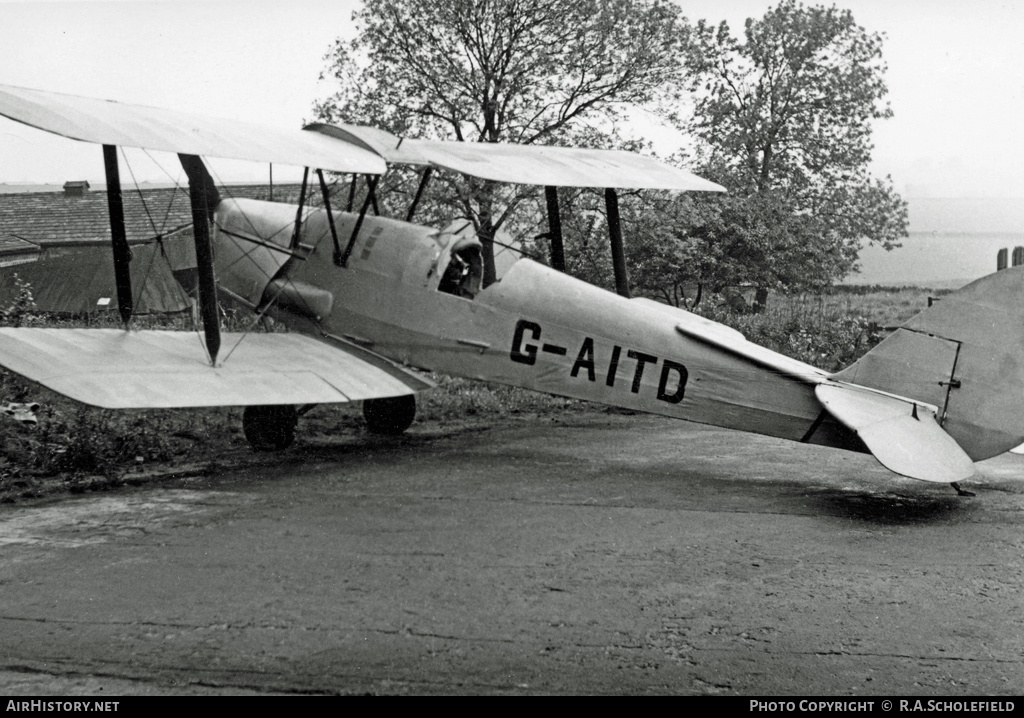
116, 123
117, 369
902, 435
540, 165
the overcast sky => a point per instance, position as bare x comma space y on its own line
956, 77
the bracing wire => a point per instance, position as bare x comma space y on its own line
158, 233
307, 212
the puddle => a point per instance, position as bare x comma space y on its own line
81, 522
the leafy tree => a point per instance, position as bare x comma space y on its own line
524, 71
686, 247
785, 118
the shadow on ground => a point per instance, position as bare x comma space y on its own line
885, 508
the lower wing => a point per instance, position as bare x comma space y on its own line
117, 369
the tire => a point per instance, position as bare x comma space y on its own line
269, 428
390, 416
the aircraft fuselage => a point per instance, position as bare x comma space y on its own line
535, 328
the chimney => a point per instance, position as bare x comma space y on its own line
75, 188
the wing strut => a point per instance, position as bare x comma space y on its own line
611, 203
330, 215
298, 212
371, 196
419, 193
555, 229
118, 235
204, 196
351, 192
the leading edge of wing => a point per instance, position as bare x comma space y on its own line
107, 122
115, 369
541, 165
902, 434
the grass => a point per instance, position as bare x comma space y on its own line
77, 448
888, 307
456, 398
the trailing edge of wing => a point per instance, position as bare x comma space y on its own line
525, 164
902, 435
115, 369
115, 123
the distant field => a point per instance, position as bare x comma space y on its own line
934, 259
886, 307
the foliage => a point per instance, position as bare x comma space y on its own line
22, 309
456, 399
824, 334
682, 249
784, 118
791, 106
73, 440
524, 71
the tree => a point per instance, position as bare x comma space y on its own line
524, 71
686, 247
785, 118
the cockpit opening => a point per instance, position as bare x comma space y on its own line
464, 274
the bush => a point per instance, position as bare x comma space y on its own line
812, 331
22, 309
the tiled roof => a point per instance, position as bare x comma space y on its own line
53, 218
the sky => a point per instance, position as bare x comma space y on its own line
955, 78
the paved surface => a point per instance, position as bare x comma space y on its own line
604, 554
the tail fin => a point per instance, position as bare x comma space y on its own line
965, 355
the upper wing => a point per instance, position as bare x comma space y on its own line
525, 164
117, 369
115, 123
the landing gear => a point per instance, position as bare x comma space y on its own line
269, 428
961, 492
391, 415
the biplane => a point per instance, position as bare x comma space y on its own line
367, 298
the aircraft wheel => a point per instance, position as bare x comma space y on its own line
391, 415
269, 428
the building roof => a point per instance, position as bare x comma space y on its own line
81, 273
13, 245
59, 219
